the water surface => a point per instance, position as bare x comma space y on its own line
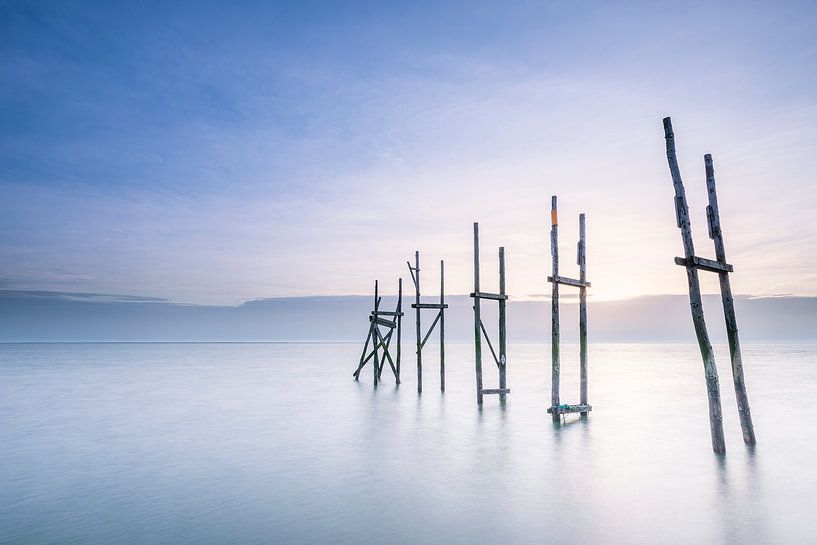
276, 443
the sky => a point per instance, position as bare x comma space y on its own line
225, 152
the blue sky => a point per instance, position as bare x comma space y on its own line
218, 153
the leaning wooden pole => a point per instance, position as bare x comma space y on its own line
502, 330
442, 325
419, 332
581, 258
554, 306
477, 318
695, 303
716, 234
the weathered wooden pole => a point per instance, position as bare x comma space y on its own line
695, 303
442, 326
399, 323
716, 234
419, 333
581, 258
375, 331
477, 318
502, 331
554, 306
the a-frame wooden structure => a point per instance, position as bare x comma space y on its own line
380, 352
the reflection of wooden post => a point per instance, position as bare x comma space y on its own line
581, 258
554, 308
442, 326
715, 233
502, 333
477, 318
695, 303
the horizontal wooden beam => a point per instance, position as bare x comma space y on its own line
429, 305
705, 264
569, 282
383, 322
386, 313
486, 391
494, 296
565, 409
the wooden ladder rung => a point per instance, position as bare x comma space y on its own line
486, 391
565, 409
484, 295
570, 282
429, 305
387, 313
705, 264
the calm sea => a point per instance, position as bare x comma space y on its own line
276, 443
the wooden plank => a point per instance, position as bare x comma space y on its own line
435, 306
500, 391
382, 321
477, 319
695, 303
581, 258
389, 312
582, 408
570, 282
705, 264
484, 295
554, 307
716, 233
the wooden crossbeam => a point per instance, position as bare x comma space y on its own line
570, 282
385, 323
484, 295
430, 329
429, 305
705, 264
487, 391
566, 409
388, 313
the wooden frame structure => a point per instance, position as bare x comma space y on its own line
693, 264
557, 408
393, 322
479, 327
440, 308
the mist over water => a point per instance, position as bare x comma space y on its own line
276, 443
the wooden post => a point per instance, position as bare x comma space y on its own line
581, 259
695, 303
442, 326
419, 333
715, 233
375, 340
502, 331
477, 318
399, 323
554, 306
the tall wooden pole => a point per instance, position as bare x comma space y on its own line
419, 333
554, 308
477, 317
399, 323
716, 234
582, 316
442, 326
502, 331
374, 331
695, 303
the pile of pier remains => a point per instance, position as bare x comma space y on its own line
384, 324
